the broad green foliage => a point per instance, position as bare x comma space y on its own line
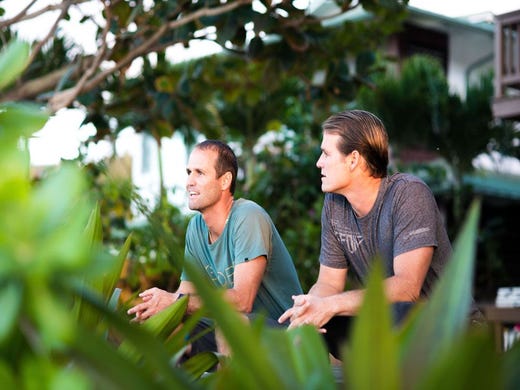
13, 60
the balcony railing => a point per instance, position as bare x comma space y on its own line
506, 103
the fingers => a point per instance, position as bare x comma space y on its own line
300, 321
134, 309
299, 307
285, 316
299, 300
148, 292
153, 301
146, 296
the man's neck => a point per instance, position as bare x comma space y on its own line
216, 218
363, 197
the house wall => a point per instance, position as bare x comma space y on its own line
470, 55
470, 46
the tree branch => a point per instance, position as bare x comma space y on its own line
24, 16
67, 96
64, 9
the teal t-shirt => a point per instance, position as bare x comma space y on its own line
249, 233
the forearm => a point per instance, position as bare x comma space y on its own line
337, 301
242, 301
321, 289
399, 289
349, 302
194, 303
346, 303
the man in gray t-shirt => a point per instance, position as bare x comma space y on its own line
368, 214
404, 217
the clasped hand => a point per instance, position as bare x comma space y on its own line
153, 301
306, 310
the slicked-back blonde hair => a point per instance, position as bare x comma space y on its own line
362, 131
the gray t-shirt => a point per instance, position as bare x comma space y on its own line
404, 217
249, 233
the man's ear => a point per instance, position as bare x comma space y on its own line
353, 159
226, 180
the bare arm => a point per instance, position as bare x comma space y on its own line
410, 270
247, 279
317, 306
325, 301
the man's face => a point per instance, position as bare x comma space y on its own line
203, 186
335, 175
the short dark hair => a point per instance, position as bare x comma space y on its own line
226, 159
362, 131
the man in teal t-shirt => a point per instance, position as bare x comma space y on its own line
248, 234
234, 241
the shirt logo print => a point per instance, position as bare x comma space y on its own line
222, 279
350, 241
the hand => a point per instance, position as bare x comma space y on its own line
153, 301
307, 310
299, 307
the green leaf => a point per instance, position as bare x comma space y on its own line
114, 299
444, 317
167, 320
511, 373
372, 362
470, 363
165, 84
13, 61
111, 368
94, 229
310, 358
161, 325
57, 227
20, 119
200, 363
10, 302
6, 377
54, 324
111, 278
155, 357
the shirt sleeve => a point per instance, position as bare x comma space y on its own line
252, 235
331, 252
415, 216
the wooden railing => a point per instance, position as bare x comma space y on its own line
507, 61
